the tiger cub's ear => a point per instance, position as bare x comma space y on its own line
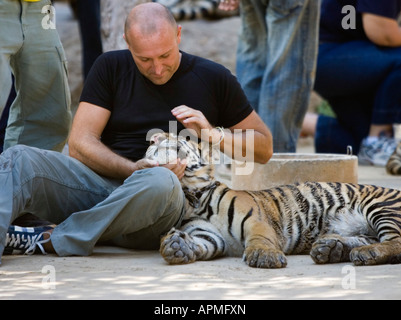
209, 154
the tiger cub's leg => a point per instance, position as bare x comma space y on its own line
198, 240
333, 248
261, 252
263, 246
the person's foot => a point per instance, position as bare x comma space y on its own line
376, 152
21, 240
30, 220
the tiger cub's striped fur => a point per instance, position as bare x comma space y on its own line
334, 222
393, 165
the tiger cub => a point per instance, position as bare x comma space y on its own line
334, 222
393, 165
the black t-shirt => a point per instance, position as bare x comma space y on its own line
331, 17
138, 106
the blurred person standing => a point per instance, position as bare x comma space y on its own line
359, 74
88, 14
4, 115
30, 47
276, 61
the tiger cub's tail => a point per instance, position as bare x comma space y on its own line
393, 165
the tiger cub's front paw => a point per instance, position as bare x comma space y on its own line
178, 247
264, 258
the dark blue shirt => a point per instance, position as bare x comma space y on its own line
331, 29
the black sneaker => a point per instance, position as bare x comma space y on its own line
22, 240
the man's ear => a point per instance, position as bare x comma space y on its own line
126, 40
179, 28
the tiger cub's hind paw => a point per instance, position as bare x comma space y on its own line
379, 253
178, 247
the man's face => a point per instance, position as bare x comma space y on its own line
157, 56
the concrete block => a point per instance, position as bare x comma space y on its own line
288, 168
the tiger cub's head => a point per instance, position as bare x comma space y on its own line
167, 147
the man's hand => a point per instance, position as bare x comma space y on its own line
145, 164
195, 120
178, 167
191, 119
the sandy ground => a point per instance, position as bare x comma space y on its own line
113, 273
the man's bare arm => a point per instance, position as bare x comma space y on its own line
86, 146
381, 30
261, 135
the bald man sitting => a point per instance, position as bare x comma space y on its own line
105, 191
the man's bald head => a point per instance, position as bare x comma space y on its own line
153, 39
147, 19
